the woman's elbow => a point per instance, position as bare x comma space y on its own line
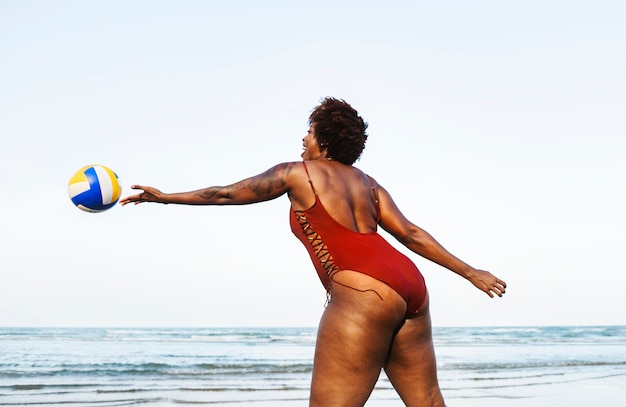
414, 237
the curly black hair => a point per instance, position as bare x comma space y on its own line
339, 130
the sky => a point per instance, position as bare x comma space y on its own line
498, 127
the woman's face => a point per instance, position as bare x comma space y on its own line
311, 150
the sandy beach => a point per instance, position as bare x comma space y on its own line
603, 392
609, 391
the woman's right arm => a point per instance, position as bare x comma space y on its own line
422, 243
268, 185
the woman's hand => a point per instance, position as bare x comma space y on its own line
487, 282
148, 194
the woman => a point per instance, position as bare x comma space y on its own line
377, 316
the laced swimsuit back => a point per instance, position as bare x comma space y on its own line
333, 247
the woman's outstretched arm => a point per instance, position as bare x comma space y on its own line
422, 243
263, 187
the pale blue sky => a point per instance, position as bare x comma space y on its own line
499, 127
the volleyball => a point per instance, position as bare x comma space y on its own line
94, 188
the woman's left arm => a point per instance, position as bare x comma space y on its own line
263, 187
422, 243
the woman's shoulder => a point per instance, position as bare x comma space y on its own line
338, 173
287, 167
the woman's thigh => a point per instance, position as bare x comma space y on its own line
412, 366
354, 339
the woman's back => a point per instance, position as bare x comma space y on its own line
348, 195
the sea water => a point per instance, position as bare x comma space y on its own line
244, 366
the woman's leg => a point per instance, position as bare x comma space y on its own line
354, 339
411, 367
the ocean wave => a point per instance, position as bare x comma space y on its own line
211, 335
489, 336
530, 365
443, 336
112, 370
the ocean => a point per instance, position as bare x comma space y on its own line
272, 366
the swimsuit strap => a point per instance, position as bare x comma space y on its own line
309, 177
376, 202
372, 185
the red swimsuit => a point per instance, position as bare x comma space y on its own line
333, 247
